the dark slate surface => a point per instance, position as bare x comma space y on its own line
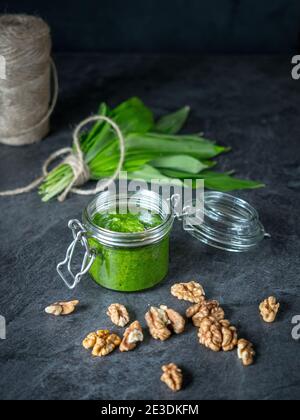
249, 103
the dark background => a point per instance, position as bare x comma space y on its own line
175, 26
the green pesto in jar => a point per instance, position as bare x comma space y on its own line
129, 269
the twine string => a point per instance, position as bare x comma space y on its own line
77, 163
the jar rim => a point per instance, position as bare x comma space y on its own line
147, 199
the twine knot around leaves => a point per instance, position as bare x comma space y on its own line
75, 159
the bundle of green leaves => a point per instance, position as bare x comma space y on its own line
154, 150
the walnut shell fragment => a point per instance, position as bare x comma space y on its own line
102, 343
269, 309
161, 321
118, 314
246, 352
217, 335
62, 308
172, 377
192, 292
210, 308
132, 335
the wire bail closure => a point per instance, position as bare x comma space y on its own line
79, 235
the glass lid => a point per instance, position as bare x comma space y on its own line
227, 223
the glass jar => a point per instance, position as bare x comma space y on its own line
124, 262
130, 262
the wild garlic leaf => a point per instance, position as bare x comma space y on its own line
180, 163
89, 139
162, 145
172, 123
187, 137
148, 174
131, 116
225, 182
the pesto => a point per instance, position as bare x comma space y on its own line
129, 269
129, 222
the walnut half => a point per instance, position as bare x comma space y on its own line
203, 310
269, 309
176, 321
246, 352
62, 308
172, 377
102, 342
217, 335
191, 292
157, 321
161, 321
132, 335
118, 314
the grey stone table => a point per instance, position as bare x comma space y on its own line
250, 103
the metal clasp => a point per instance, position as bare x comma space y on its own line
79, 235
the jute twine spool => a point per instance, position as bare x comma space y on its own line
25, 92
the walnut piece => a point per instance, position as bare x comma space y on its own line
90, 341
102, 342
162, 320
210, 308
157, 321
118, 314
191, 292
269, 309
193, 310
176, 321
132, 335
62, 308
172, 377
217, 335
246, 352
